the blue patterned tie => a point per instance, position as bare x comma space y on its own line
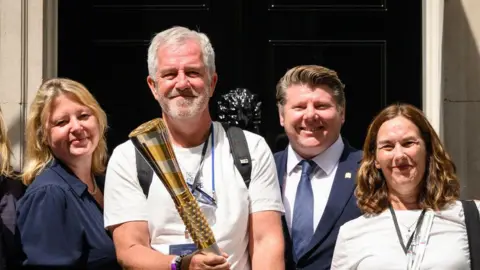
302, 220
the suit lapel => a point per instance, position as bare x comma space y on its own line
281, 162
342, 188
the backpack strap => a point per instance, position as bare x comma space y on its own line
472, 222
240, 152
238, 148
144, 173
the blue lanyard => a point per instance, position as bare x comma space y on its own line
213, 165
194, 187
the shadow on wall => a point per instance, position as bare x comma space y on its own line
461, 84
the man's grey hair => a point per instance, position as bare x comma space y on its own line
178, 35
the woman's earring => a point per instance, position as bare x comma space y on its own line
379, 175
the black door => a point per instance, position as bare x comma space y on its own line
374, 45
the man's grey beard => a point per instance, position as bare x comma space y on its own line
186, 108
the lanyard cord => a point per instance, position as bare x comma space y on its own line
400, 238
202, 159
213, 164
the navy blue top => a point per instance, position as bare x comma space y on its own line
61, 224
11, 189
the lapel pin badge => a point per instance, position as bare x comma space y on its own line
348, 175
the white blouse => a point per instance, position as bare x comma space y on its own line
371, 242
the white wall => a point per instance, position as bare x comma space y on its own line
461, 84
11, 69
27, 54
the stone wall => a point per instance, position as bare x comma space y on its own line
461, 90
27, 55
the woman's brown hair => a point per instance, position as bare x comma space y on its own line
439, 186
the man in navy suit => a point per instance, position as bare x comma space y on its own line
317, 170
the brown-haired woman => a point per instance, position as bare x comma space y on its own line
408, 192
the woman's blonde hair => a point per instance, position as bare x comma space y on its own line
38, 153
5, 149
439, 185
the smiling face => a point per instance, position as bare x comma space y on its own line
182, 86
73, 130
401, 155
312, 119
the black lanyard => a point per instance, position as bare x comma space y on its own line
204, 151
399, 234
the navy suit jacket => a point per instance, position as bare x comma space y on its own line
341, 207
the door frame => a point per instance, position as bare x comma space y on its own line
432, 43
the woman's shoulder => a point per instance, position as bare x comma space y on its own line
51, 190
457, 205
45, 189
477, 202
363, 224
47, 178
39, 203
363, 221
454, 211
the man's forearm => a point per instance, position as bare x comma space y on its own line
145, 258
268, 254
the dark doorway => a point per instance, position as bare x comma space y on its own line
374, 45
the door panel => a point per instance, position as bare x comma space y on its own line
340, 4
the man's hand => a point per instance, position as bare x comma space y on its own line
205, 261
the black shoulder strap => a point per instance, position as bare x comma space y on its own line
238, 148
144, 173
472, 222
240, 152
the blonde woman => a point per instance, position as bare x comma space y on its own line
10, 191
60, 217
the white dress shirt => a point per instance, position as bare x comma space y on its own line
321, 178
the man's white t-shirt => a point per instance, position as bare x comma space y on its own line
372, 242
124, 200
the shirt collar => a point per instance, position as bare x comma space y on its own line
327, 160
68, 176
